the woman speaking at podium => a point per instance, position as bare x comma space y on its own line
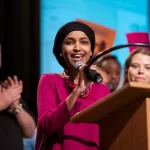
60, 96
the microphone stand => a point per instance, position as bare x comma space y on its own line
91, 61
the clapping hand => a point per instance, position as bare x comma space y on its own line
10, 96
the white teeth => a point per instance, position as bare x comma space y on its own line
77, 55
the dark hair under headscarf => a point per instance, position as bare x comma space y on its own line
64, 31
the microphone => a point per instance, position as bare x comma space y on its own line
92, 75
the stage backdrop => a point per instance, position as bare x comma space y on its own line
114, 16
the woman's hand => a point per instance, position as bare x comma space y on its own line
17, 87
83, 82
8, 97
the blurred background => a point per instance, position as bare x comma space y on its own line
28, 28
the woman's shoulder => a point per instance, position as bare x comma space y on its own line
51, 77
102, 87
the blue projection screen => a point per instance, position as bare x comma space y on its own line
121, 16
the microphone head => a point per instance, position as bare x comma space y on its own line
99, 79
78, 64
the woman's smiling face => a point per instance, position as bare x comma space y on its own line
139, 69
76, 47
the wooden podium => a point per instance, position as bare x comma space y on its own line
124, 118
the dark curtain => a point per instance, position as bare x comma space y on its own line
21, 45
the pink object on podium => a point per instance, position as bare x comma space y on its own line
137, 37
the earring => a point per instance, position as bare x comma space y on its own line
60, 54
91, 54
